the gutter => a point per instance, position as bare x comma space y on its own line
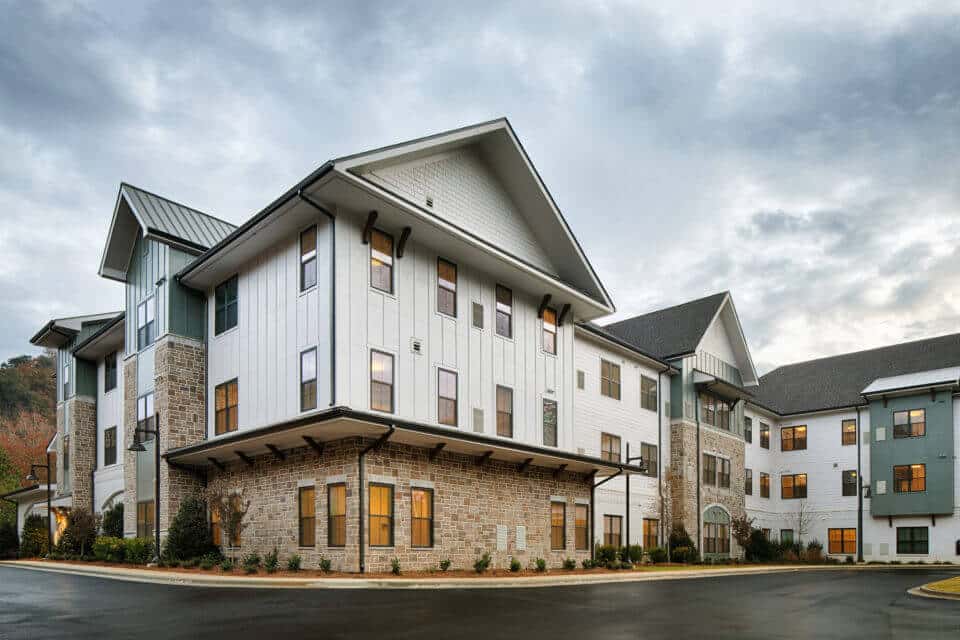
859, 497
99, 332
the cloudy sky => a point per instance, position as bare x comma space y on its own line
804, 157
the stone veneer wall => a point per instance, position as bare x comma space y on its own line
83, 450
469, 502
129, 457
61, 414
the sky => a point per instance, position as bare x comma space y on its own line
803, 156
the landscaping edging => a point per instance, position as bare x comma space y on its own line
185, 579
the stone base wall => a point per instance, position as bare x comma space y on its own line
83, 450
470, 501
62, 487
129, 457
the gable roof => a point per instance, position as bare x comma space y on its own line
670, 332
837, 382
159, 218
59, 331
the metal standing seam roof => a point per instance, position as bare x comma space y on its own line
920, 379
176, 220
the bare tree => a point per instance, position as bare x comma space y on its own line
802, 518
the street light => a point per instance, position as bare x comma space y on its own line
32, 477
643, 469
137, 447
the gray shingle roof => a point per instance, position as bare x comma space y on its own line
175, 220
837, 381
672, 331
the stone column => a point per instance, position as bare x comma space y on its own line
129, 457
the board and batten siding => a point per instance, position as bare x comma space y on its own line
275, 323
108, 480
370, 319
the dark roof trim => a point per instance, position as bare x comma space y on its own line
182, 243
808, 412
100, 332
913, 387
6, 496
600, 333
334, 413
51, 327
321, 171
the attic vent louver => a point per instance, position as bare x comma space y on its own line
430, 201
416, 346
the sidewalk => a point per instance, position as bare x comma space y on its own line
556, 578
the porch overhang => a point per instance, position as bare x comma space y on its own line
336, 423
728, 391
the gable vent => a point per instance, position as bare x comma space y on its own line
430, 201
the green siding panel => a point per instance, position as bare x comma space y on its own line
187, 307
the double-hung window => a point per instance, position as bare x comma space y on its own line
381, 381
764, 485
709, 469
648, 393
747, 429
793, 486
381, 515
609, 447
225, 299
651, 529
850, 482
446, 287
504, 312
910, 424
421, 527
764, 435
558, 529
748, 482
848, 432
842, 541
550, 331
226, 401
913, 540
581, 527
110, 372
504, 412
307, 516
447, 397
336, 515
308, 258
110, 446
910, 478
793, 438
549, 423
723, 477
648, 453
381, 261
145, 323
609, 379
308, 379
612, 529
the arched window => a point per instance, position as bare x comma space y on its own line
716, 531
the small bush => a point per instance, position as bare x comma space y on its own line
515, 565
607, 553
626, 565
395, 566
226, 565
684, 554
189, 534
271, 561
109, 549
112, 522
207, 563
482, 563
632, 554
569, 564
190, 564
444, 564
138, 550
587, 564
80, 533
657, 555
9, 542
251, 562
34, 538
294, 562
173, 564
613, 565
540, 564
849, 559
325, 564
680, 538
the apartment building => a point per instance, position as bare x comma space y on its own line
399, 357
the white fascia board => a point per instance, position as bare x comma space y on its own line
754, 379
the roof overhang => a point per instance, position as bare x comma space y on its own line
912, 383
727, 314
60, 331
608, 340
106, 340
338, 423
28, 494
707, 382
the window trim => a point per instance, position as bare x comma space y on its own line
793, 488
748, 429
391, 517
610, 518
306, 381
392, 384
497, 312
456, 279
563, 526
912, 479
609, 381
709, 463
645, 396
391, 265
225, 385
794, 439
913, 541
910, 424
844, 433
656, 533
149, 326
844, 484
653, 470
300, 517
607, 453
764, 435
544, 331
843, 541
455, 399
764, 486
430, 518
496, 400
331, 487
585, 528
106, 433
148, 525
747, 481
217, 308
308, 257
110, 381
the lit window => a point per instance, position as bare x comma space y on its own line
764, 435
558, 529
504, 412
446, 287
381, 261
447, 397
227, 400
650, 533
910, 424
793, 438
748, 482
225, 297
381, 381
764, 485
504, 312
307, 519
336, 515
850, 482
581, 527
145, 519
550, 331
910, 478
842, 541
381, 515
848, 430
421, 503
609, 447
612, 528
793, 486
308, 259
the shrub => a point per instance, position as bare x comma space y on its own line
271, 561
540, 564
226, 565
9, 542
294, 562
112, 522
80, 533
33, 540
173, 564
626, 565
606, 553
251, 562
138, 550
760, 548
569, 564
815, 545
680, 538
189, 533
632, 554
684, 554
657, 555
849, 560
482, 563
207, 563
395, 566
444, 564
587, 564
190, 564
515, 565
325, 564
109, 549
613, 565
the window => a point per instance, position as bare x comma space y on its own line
748, 482
793, 486
381, 515
581, 527
421, 505
842, 541
225, 299
610, 379
786, 536
504, 312
145, 519
447, 397
308, 516
747, 429
226, 398
909, 424
764, 485
612, 527
764, 435
724, 476
708, 410
609, 447
723, 415
913, 540
648, 393
848, 432
793, 438
581, 379
477, 315
66, 457
549, 423
308, 259
504, 412
550, 331
558, 529
716, 537
237, 502
145, 323
336, 515
648, 453
66, 381
709, 469
110, 446
766, 533
446, 287
850, 482
110, 372
308, 379
216, 531
381, 261
910, 478
146, 418
381, 381
650, 530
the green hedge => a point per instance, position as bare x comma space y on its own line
33, 540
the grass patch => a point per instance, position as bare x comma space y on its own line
950, 585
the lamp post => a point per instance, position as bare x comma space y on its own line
32, 477
137, 447
643, 469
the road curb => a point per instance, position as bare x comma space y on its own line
923, 591
255, 582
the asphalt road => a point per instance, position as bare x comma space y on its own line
848, 604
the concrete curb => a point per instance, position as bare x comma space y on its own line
923, 591
556, 580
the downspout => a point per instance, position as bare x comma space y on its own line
696, 407
593, 493
333, 296
360, 457
859, 496
659, 458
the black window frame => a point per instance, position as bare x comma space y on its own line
336, 522
390, 517
110, 372
764, 435
302, 521
611, 537
723, 473
910, 544
391, 384
229, 411
764, 485
226, 310
146, 419
648, 396
843, 549
449, 288
650, 454
414, 518
581, 532
388, 265
748, 482
562, 528
709, 474
898, 431
146, 331
910, 478
308, 386
607, 440
110, 446
797, 443
848, 482
844, 433
748, 429
795, 486
504, 311
441, 371
509, 414
308, 259
549, 331
610, 387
